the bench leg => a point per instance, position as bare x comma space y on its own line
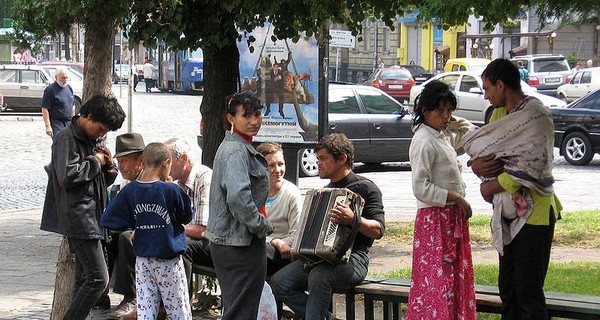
369, 312
350, 306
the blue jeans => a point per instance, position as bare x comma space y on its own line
58, 125
291, 283
91, 277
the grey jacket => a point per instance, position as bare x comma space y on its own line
77, 183
239, 187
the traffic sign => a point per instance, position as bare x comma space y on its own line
342, 38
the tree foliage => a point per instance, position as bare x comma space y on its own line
214, 26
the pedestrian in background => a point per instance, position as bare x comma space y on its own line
80, 171
523, 73
58, 103
524, 264
238, 225
442, 285
149, 77
283, 208
157, 211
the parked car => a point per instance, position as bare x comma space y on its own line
75, 77
121, 73
468, 88
466, 64
418, 72
395, 81
79, 66
377, 124
582, 83
23, 86
547, 72
577, 129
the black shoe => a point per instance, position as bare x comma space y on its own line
267, 112
103, 303
281, 112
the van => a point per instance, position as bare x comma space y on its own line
547, 72
466, 64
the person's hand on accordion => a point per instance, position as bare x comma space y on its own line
341, 214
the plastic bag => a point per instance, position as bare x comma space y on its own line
267, 309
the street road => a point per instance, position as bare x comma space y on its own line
25, 149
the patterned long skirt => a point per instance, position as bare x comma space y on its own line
442, 285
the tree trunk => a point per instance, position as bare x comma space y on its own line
64, 281
221, 67
98, 53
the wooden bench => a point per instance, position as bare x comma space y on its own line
200, 270
394, 292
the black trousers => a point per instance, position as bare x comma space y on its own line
523, 271
125, 268
241, 272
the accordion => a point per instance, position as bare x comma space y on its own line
318, 239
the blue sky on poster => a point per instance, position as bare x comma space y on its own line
305, 55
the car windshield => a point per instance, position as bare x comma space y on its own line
414, 69
551, 65
395, 75
74, 75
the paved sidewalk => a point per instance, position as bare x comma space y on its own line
27, 268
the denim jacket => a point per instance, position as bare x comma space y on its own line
239, 187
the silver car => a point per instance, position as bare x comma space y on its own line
468, 88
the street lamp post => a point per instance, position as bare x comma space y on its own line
474, 50
597, 43
551, 41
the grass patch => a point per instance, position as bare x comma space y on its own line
580, 229
568, 277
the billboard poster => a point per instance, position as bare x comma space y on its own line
284, 75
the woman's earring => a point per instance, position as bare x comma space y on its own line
231, 128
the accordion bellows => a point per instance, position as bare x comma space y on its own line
319, 239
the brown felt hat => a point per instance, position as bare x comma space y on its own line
128, 143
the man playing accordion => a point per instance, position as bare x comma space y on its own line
335, 158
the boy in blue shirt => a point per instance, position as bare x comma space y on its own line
157, 211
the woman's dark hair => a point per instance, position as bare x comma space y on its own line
434, 93
249, 102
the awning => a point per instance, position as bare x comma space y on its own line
444, 50
517, 51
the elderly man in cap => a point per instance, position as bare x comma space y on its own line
128, 151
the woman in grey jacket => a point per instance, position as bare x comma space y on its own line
237, 224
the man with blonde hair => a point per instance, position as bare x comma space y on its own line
58, 103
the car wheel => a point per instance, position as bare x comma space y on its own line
308, 163
577, 149
562, 97
115, 81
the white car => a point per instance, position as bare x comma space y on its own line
468, 88
23, 86
582, 83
